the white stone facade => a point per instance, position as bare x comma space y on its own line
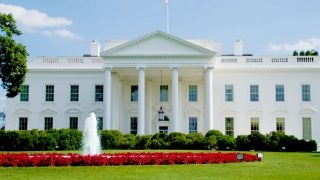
188, 71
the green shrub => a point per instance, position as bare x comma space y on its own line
226, 143
159, 141
196, 141
128, 141
243, 143
177, 140
258, 141
111, 139
143, 141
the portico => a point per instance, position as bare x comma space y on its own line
138, 63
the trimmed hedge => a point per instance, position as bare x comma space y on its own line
70, 139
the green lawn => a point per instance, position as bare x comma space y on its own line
275, 165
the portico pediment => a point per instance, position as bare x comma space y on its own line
158, 43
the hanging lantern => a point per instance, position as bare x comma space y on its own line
161, 114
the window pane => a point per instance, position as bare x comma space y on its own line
193, 94
279, 92
23, 123
99, 93
280, 123
228, 93
133, 125
306, 126
24, 94
163, 129
73, 122
163, 93
74, 93
49, 93
193, 125
254, 124
254, 93
229, 126
306, 92
134, 93
100, 123
48, 123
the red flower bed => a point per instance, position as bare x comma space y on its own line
25, 160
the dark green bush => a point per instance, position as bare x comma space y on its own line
177, 140
258, 141
159, 141
196, 141
111, 139
143, 141
128, 142
243, 143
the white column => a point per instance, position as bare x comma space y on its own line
141, 101
208, 100
107, 99
175, 100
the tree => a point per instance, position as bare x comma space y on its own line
13, 56
308, 53
301, 53
295, 53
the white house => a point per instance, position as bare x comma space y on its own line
197, 88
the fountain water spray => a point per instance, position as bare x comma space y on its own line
91, 139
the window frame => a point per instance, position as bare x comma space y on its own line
193, 93
280, 124
24, 94
228, 93
98, 93
193, 124
73, 122
164, 93
254, 124
306, 92
134, 125
134, 93
254, 93
307, 128
49, 95
279, 93
74, 93
23, 123
229, 130
48, 123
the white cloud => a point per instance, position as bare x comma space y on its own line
31, 18
309, 44
34, 21
64, 33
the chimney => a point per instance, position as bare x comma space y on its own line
238, 48
94, 49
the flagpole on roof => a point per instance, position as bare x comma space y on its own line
167, 15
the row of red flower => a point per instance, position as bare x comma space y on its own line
25, 160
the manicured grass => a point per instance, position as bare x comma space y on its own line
275, 165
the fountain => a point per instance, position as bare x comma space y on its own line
91, 139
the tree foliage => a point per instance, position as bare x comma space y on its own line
13, 56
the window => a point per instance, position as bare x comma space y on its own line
134, 93
193, 94
74, 93
23, 123
73, 122
134, 125
254, 124
24, 94
100, 123
229, 126
279, 92
48, 123
228, 92
193, 124
163, 129
305, 92
163, 93
280, 123
306, 128
49, 93
99, 93
254, 93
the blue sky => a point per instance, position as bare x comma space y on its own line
66, 27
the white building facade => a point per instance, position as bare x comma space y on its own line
197, 88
